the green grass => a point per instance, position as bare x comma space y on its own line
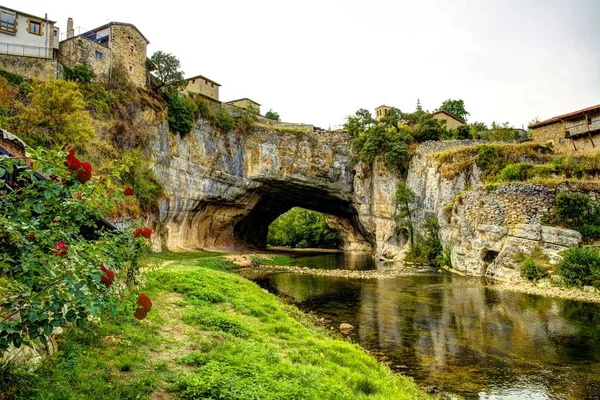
210, 335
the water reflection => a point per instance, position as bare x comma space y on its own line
461, 336
356, 260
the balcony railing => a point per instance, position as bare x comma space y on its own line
23, 50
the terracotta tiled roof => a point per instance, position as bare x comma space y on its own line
571, 115
450, 115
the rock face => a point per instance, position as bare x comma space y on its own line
485, 230
222, 190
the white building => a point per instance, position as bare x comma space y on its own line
23, 34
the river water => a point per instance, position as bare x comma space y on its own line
456, 334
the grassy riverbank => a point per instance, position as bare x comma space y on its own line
210, 334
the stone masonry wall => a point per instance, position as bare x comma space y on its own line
79, 50
129, 50
42, 69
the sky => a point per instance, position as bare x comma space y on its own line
316, 62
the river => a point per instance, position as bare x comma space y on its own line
454, 334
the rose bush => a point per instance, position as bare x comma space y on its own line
59, 263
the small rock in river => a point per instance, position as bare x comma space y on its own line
346, 328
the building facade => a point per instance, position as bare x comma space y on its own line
381, 112
202, 85
575, 132
245, 103
103, 49
451, 121
27, 35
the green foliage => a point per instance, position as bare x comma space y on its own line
570, 208
428, 250
246, 120
456, 108
181, 113
489, 160
51, 274
205, 109
427, 128
580, 266
80, 74
272, 115
55, 115
224, 120
532, 270
405, 198
390, 144
141, 177
13, 79
360, 122
516, 172
168, 73
302, 228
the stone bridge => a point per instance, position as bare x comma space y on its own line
223, 190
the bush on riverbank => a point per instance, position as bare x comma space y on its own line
580, 267
212, 334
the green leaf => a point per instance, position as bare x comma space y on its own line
38, 208
80, 323
48, 329
2, 172
48, 194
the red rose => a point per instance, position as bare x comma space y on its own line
128, 191
72, 162
78, 195
145, 232
31, 236
84, 173
108, 276
61, 249
144, 305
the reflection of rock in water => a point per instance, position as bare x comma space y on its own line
460, 336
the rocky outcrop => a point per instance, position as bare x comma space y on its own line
222, 190
487, 230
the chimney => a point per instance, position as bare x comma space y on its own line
70, 32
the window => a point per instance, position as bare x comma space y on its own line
35, 28
130, 68
212, 85
7, 20
99, 55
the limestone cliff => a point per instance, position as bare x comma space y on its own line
484, 229
222, 190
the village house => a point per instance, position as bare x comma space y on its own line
381, 112
103, 49
245, 103
573, 132
202, 85
451, 121
23, 34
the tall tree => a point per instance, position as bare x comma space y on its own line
168, 73
456, 108
419, 107
272, 115
359, 122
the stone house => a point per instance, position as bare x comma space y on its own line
202, 85
569, 133
103, 49
381, 111
452, 121
28, 45
23, 34
245, 103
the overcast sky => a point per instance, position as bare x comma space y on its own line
316, 61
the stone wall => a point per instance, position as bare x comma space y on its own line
79, 50
42, 69
129, 49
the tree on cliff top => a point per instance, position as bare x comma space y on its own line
272, 115
168, 73
456, 108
